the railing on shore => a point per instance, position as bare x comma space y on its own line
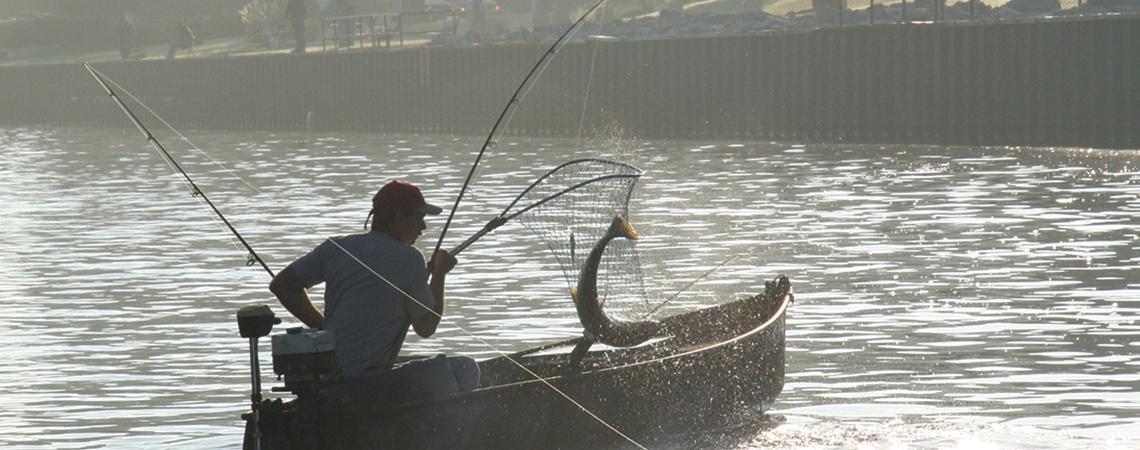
1067, 82
372, 29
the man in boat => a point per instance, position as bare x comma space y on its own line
377, 285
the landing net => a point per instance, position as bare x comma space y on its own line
570, 208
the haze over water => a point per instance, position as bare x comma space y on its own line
946, 297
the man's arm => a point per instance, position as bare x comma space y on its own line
290, 291
441, 263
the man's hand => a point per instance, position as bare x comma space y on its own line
441, 263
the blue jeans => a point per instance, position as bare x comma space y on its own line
437, 376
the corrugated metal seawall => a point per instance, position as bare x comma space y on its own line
1069, 82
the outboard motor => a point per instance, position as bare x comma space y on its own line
255, 321
303, 357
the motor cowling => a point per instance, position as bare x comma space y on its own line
304, 358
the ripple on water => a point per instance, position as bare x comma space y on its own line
946, 297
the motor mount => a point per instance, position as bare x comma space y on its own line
255, 321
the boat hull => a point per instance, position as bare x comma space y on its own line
723, 364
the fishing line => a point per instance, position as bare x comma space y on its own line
690, 284
636, 262
253, 256
176, 132
531, 86
170, 163
589, 80
540, 67
174, 165
698, 279
493, 347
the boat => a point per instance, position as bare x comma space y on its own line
714, 366
706, 367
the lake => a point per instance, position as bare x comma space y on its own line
947, 297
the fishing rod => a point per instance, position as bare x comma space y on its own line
511, 103
252, 257
514, 100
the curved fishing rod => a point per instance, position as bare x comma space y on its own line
512, 102
197, 192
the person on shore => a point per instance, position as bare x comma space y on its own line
124, 30
479, 21
183, 38
344, 8
376, 287
295, 11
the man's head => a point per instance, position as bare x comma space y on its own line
399, 208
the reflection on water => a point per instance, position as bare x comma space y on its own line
946, 296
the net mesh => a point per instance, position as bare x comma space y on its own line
570, 209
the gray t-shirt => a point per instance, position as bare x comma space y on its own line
368, 317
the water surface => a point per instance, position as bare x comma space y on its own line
947, 297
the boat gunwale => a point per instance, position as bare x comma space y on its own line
778, 313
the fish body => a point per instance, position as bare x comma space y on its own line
608, 331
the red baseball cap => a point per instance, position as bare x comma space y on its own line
401, 195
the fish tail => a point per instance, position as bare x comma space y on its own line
621, 227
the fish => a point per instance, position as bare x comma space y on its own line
599, 326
